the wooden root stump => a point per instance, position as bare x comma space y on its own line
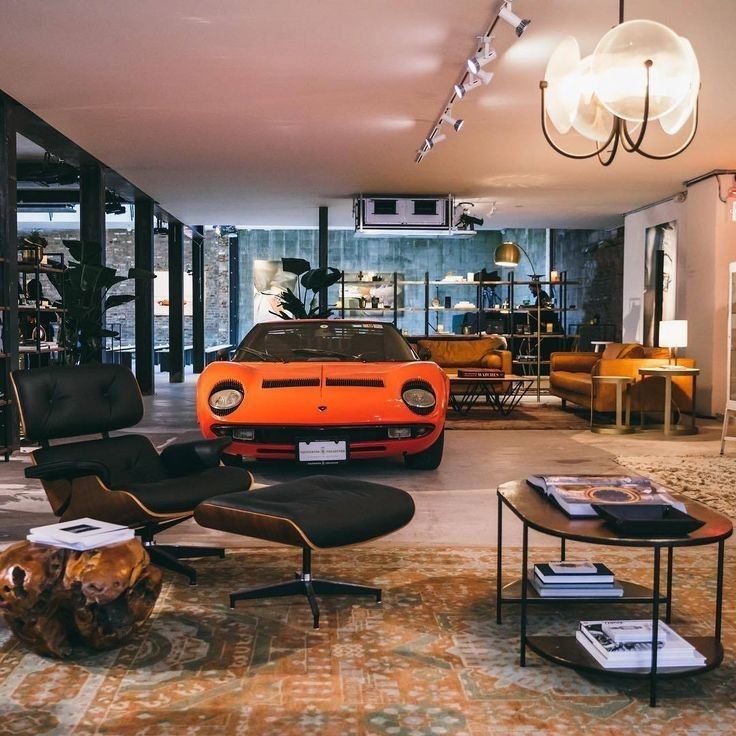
53, 598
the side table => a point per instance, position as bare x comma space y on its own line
668, 373
623, 384
599, 345
537, 513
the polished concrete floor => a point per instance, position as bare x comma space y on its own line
456, 504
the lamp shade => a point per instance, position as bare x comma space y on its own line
507, 254
673, 333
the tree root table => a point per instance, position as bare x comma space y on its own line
52, 598
536, 512
502, 394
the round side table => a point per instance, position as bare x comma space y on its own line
623, 384
599, 345
668, 372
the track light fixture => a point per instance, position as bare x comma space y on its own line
507, 14
473, 75
456, 123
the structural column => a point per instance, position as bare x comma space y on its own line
9, 269
235, 335
92, 216
322, 255
198, 297
144, 296
176, 302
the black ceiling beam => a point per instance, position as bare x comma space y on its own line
43, 134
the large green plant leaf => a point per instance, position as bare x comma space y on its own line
84, 251
117, 300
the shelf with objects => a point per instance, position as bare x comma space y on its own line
369, 295
41, 308
8, 437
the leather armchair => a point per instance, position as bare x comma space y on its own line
571, 378
120, 479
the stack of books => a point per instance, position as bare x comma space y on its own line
628, 645
576, 494
574, 579
80, 534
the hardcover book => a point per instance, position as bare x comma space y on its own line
576, 494
479, 373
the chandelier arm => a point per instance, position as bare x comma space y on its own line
616, 137
578, 156
677, 152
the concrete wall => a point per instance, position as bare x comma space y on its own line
706, 245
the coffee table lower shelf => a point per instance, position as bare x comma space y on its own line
633, 593
568, 652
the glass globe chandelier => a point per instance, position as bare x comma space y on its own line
639, 72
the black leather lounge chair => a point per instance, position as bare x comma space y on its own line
117, 479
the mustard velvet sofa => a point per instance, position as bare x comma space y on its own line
571, 378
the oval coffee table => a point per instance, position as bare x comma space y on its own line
536, 512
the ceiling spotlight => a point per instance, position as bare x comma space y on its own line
429, 142
475, 63
507, 14
484, 77
456, 123
462, 89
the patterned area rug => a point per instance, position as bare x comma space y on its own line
430, 661
527, 415
707, 478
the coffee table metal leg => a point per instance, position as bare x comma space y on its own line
524, 583
719, 590
668, 609
499, 561
562, 549
655, 629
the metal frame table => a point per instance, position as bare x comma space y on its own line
668, 373
540, 514
513, 388
621, 383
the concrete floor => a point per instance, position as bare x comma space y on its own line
456, 504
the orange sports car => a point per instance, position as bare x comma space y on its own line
326, 391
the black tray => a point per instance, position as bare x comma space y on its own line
651, 520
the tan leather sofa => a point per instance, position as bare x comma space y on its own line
453, 353
571, 376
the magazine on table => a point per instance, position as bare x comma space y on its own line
80, 534
581, 590
576, 494
672, 651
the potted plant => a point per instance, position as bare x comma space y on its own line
85, 285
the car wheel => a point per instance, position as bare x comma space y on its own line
430, 458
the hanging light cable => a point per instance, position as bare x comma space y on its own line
639, 72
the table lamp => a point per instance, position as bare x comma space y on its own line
673, 335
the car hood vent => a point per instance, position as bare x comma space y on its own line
364, 382
289, 382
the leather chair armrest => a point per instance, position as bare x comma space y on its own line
68, 470
184, 458
492, 357
574, 362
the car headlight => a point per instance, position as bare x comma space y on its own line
419, 397
226, 397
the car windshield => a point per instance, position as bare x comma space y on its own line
367, 342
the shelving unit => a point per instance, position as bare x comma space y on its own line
7, 435
34, 348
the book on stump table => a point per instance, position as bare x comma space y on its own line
80, 534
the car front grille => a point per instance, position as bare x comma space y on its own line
289, 382
290, 434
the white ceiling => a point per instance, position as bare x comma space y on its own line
255, 112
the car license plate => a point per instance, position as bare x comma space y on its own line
322, 452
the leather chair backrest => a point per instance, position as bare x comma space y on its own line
68, 401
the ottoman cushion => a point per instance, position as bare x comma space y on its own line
319, 511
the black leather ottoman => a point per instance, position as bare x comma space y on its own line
318, 512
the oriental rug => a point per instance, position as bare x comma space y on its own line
709, 478
527, 415
429, 661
